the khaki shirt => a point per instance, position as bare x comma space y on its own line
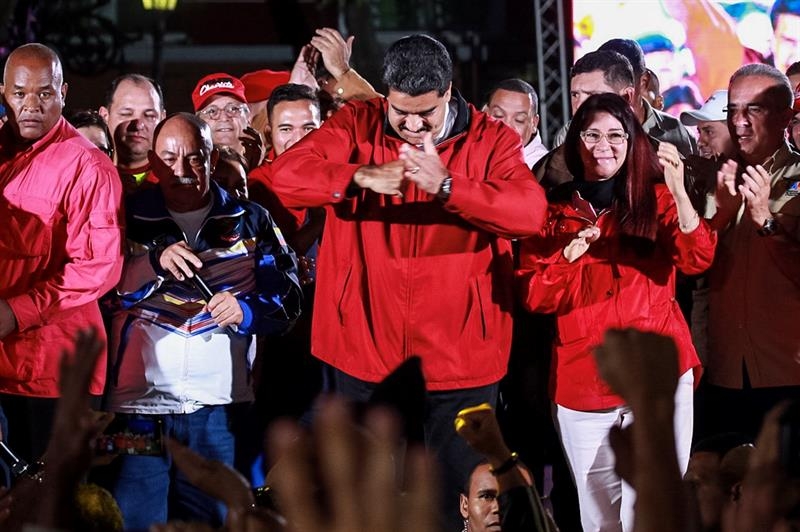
754, 291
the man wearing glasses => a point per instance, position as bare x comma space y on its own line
219, 99
754, 299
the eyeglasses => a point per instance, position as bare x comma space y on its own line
751, 109
592, 136
215, 112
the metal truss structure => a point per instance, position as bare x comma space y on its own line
552, 62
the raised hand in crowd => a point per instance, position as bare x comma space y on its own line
770, 493
48, 499
755, 189
479, 428
670, 159
642, 368
304, 69
212, 476
727, 197
520, 506
254, 147
334, 50
356, 472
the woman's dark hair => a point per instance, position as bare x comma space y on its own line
634, 195
91, 118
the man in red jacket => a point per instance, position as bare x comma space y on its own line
422, 192
60, 247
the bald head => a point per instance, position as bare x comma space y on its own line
182, 159
35, 53
34, 90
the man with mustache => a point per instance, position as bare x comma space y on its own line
178, 355
60, 246
421, 192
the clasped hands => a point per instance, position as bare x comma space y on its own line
423, 167
754, 189
180, 260
580, 244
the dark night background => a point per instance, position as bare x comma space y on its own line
99, 39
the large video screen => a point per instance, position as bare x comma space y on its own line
693, 46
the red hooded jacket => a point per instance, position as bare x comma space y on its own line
610, 286
414, 276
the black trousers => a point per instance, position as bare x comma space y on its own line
456, 459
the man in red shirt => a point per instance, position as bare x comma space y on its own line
421, 192
134, 105
60, 247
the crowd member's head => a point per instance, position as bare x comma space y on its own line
600, 72
219, 99
91, 125
34, 91
134, 104
418, 73
681, 97
759, 110
653, 91
258, 87
230, 172
794, 124
633, 53
182, 157
785, 16
478, 501
714, 139
515, 103
605, 141
793, 73
716, 469
294, 112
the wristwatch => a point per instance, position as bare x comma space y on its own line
444, 189
769, 228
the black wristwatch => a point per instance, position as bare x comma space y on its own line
769, 228
444, 189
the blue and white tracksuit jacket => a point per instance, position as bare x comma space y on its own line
167, 356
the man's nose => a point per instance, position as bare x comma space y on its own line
296, 136
414, 123
31, 102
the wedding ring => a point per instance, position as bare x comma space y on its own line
415, 170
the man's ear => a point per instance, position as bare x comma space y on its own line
463, 505
628, 94
735, 493
214, 158
103, 112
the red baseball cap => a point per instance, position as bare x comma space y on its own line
219, 83
797, 99
259, 85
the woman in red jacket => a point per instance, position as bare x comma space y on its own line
607, 258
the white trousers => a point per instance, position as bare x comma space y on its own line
606, 502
